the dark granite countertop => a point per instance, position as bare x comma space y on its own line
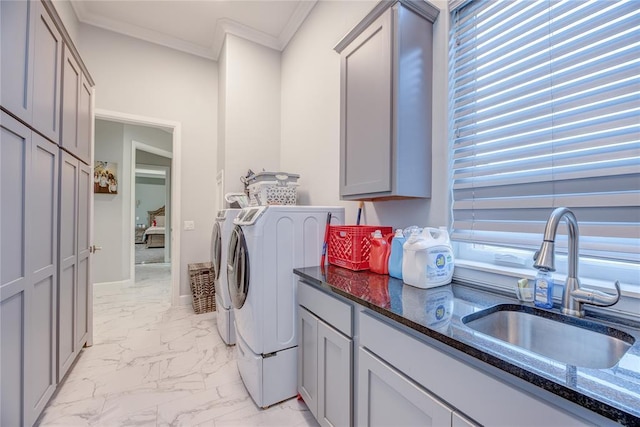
613, 393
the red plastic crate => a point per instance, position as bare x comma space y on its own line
350, 245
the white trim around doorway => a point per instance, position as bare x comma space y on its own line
176, 172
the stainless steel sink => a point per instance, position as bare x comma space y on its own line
569, 340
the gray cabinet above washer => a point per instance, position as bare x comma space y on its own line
386, 103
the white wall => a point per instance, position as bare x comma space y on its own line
311, 117
249, 109
140, 78
111, 220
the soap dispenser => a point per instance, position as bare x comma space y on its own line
543, 293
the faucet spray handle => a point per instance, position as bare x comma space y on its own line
597, 298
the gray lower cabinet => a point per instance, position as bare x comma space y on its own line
388, 398
73, 274
325, 356
386, 103
335, 355
467, 391
308, 359
28, 257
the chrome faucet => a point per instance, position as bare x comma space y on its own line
573, 296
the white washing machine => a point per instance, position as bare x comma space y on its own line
219, 248
266, 244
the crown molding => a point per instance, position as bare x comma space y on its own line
299, 15
138, 32
222, 28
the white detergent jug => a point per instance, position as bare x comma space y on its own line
427, 259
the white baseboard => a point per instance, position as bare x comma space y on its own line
184, 300
126, 282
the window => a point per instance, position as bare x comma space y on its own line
545, 112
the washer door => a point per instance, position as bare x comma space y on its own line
216, 250
238, 268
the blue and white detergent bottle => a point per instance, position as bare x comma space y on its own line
395, 259
429, 307
427, 259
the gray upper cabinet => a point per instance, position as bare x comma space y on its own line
16, 32
75, 136
47, 66
71, 80
85, 119
386, 101
31, 66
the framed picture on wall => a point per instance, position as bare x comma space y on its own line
105, 177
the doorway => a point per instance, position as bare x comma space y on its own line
171, 171
152, 205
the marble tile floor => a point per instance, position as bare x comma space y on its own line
156, 365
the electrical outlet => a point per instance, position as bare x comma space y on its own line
189, 225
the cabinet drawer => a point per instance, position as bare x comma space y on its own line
462, 386
327, 307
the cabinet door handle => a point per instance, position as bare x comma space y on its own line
93, 249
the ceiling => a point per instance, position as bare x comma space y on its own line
198, 27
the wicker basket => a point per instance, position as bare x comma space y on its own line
202, 288
273, 193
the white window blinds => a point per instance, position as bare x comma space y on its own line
545, 112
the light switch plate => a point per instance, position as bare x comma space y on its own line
189, 225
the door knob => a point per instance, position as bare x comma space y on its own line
93, 249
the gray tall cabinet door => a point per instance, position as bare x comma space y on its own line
16, 66
42, 264
68, 263
47, 66
29, 203
15, 154
386, 397
73, 270
366, 110
85, 192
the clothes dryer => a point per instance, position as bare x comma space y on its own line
222, 228
266, 244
